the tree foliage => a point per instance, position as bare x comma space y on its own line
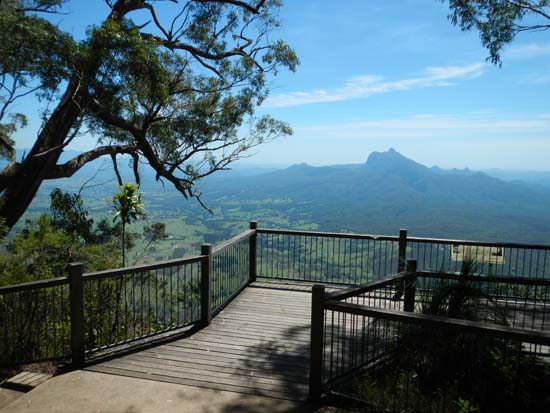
128, 208
499, 21
174, 85
70, 216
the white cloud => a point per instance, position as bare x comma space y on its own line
429, 125
536, 79
526, 51
368, 85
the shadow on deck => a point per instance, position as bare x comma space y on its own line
258, 345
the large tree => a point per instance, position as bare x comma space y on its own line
499, 21
173, 84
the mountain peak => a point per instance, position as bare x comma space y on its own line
391, 159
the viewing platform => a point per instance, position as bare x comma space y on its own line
259, 345
286, 315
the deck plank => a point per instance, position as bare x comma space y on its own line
259, 344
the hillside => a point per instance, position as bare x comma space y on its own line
391, 191
387, 192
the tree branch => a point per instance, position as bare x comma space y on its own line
69, 168
531, 7
251, 9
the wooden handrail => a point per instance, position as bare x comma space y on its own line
478, 243
486, 278
328, 234
371, 286
530, 336
143, 267
409, 239
235, 240
51, 282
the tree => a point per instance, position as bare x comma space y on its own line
128, 208
176, 93
70, 216
499, 21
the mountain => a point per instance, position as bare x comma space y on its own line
390, 191
382, 195
539, 178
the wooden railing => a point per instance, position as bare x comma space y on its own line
361, 335
336, 258
82, 315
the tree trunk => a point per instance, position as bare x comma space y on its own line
22, 180
123, 244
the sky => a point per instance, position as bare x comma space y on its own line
397, 74
381, 74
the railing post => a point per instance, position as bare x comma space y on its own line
410, 287
316, 342
76, 297
252, 253
206, 298
402, 250
401, 262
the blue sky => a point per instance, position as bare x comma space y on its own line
380, 74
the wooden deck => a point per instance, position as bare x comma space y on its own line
259, 344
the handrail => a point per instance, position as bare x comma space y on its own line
236, 239
373, 285
328, 234
478, 243
143, 267
531, 336
51, 282
126, 270
489, 278
409, 239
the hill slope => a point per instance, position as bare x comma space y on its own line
391, 191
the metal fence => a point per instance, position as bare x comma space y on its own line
230, 269
80, 316
498, 259
354, 259
324, 257
515, 302
86, 313
137, 302
382, 344
34, 321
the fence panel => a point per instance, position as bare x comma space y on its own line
230, 269
134, 303
399, 362
34, 322
498, 259
515, 302
325, 257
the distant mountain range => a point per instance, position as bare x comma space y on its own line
390, 191
386, 193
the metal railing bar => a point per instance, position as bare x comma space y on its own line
225, 302
530, 336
